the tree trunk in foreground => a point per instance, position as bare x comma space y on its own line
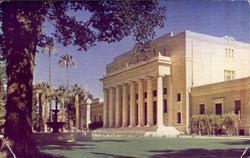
21, 26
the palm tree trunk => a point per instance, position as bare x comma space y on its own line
49, 68
45, 116
77, 111
50, 109
40, 113
62, 108
67, 77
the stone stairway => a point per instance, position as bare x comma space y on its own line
137, 131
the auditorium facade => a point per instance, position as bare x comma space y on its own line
185, 74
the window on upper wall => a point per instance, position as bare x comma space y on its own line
178, 96
202, 109
229, 75
237, 108
229, 53
178, 117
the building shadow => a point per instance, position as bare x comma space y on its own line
110, 140
111, 155
65, 146
45, 155
241, 142
199, 153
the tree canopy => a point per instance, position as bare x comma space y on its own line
22, 33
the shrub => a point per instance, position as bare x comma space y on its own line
214, 124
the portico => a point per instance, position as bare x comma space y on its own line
134, 94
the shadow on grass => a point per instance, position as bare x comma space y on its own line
242, 142
65, 146
110, 140
44, 155
111, 155
199, 153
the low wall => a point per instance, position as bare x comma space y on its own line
61, 137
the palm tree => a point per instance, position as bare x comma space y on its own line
49, 48
38, 90
43, 91
67, 60
61, 94
47, 95
79, 95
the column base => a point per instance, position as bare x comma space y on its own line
117, 126
167, 131
148, 125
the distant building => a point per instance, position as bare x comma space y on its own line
91, 111
187, 74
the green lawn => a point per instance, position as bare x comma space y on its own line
153, 147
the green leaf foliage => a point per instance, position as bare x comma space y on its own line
211, 124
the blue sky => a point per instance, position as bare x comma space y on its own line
217, 18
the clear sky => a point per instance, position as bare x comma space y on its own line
215, 18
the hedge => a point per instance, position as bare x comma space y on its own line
211, 124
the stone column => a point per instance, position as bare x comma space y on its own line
124, 106
132, 104
118, 113
159, 101
111, 107
88, 113
141, 115
169, 101
149, 103
105, 109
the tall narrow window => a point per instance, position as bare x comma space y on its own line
145, 95
218, 109
100, 118
179, 97
165, 91
165, 106
202, 109
178, 117
237, 109
154, 93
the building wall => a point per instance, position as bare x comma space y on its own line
196, 60
226, 93
96, 112
209, 58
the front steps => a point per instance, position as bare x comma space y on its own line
137, 131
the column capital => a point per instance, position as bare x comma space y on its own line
160, 75
139, 80
132, 81
124, 84
149, 78
105, 89
117, 86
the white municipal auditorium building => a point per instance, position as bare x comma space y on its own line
187, 74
